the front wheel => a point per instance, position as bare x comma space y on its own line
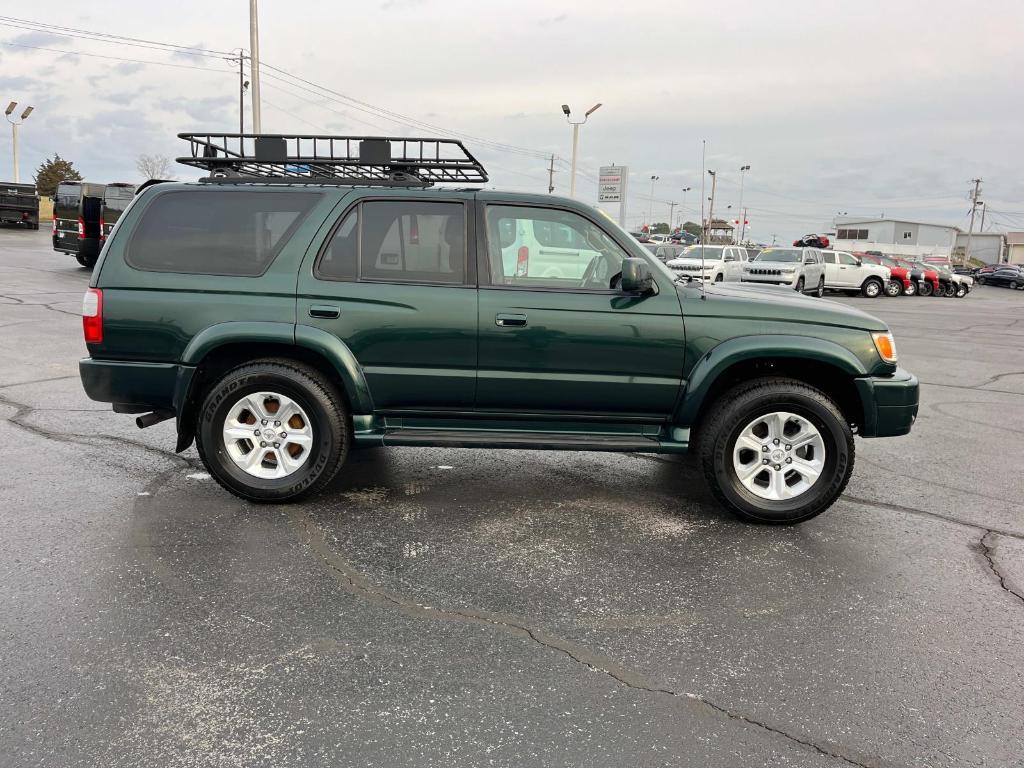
911, 290
272, 431
820, 290
961, 291
1013, 284
719, 277
925, 288
776, 451
872, 288
950, 291
800, 285
893, 288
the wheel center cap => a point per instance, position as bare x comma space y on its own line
778, 455
268, 434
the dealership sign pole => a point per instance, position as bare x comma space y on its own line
611, 188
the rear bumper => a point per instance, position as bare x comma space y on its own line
890, 403
153, 386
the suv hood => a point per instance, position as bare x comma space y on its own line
689, 261
772, 303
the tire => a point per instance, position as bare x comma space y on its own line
872, 288
735, 411
924, 288
323, 417
950, 291
911, 290
894, 288
820, 291
1013, 284
799, 285
981, 281
719, 277
961, 291
86, 261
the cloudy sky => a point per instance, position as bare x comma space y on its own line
863, 107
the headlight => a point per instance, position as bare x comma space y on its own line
746, 268
788, 270
885, 344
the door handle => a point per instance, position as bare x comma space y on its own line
509, 321
325, 311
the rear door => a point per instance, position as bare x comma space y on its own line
571, 344
395, 280
833, 273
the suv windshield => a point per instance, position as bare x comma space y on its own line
711, 252
780, 254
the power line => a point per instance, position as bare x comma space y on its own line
113, 58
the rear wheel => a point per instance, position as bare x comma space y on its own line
872, 287
981, 281
776, 451
272, 431
86, 261
1013, 284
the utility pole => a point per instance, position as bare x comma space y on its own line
671, 214
254, 60
711, 208
974, 207
551, 174
743, 224
743, 173
983, 209
242, 84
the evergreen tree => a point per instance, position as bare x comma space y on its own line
52, 172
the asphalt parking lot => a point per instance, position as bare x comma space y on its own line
463, 607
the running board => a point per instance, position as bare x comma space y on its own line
536, 441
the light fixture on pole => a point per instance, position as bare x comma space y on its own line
743, 223
650, 207
576, 140
14, 132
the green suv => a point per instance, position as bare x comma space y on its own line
290, 308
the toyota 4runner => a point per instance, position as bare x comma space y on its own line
315, 295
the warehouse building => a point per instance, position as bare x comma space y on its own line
894, 236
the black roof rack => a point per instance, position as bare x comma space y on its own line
373, 160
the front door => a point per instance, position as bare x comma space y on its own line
395, 280
565, 341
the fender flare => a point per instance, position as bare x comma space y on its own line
744, 348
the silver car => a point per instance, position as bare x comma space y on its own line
803, 269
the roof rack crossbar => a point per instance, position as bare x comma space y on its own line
287, 158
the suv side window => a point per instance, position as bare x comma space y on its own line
399, 241
847, 259
549, 248
222, 232
829, 257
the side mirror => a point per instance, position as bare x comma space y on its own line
636, 276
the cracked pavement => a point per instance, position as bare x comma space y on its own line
464, 607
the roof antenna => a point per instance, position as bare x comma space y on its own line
704, 228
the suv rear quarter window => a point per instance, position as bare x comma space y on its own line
222, 232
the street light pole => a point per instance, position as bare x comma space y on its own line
650, 206
711, 208
254, 61
743, 222
14, 133
685, 190
671, 213
575, 139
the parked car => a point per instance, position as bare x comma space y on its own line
900, 282
282, 325
684, 237
665, 252
955, 284
800, 268
844, 272
1007, 277
924, 277
19, 204
77, 210
711, 262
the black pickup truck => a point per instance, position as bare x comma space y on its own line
19, 204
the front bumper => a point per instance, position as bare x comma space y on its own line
770, 279
890, 403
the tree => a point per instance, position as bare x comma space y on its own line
154, 167
692, 228
52, 172
661, 228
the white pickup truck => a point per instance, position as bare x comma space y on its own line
845, 272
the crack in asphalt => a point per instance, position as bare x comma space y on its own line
37, 381
356, 583
49, 305
928, 513
989, 554
972, 389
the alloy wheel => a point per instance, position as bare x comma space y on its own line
779, 456
268, 435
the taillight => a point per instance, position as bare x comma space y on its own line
103, 230
81, 228
92, 315
523, 262
54, 226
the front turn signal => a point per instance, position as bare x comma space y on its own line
886, 345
